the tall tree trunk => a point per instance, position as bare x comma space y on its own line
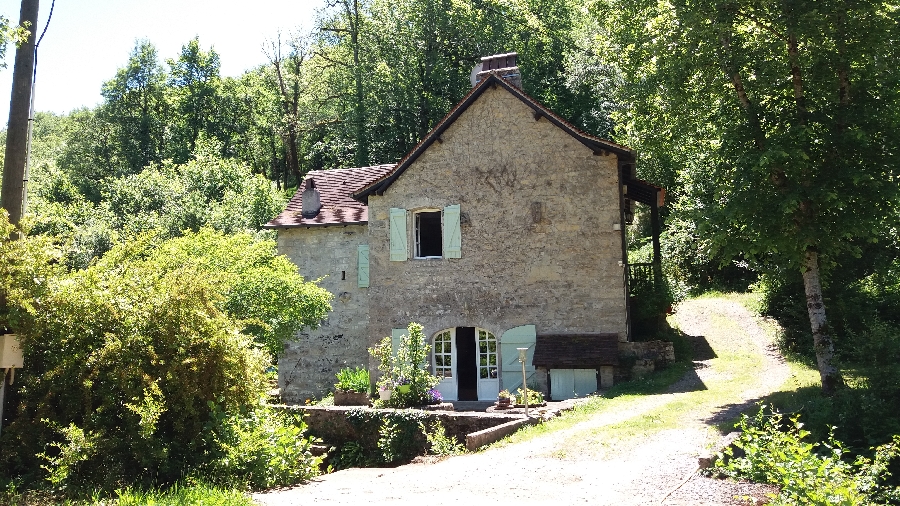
359, 106
13, 192
815, 305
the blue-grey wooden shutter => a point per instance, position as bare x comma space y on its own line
396, 336
571, 383
362, 265
399, 248
452, 234
562, 384
511, 372
585, 381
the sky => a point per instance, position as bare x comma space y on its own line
88, 40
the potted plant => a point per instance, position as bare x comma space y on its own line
504, 399
385, 391
352, 387
535, 398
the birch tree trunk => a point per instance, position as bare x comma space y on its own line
815, 305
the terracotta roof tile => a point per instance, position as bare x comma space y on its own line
338, 207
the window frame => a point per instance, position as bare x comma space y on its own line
416, 234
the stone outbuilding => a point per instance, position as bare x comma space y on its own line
502, 229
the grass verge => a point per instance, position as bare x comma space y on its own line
178, 495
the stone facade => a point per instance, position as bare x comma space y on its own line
308, 365
538, 241
539, 215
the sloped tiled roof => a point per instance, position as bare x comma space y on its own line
576, 351
595, 143
335, 188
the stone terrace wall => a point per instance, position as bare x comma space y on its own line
538, 245
309, 363
331, 424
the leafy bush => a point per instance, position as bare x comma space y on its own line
263, 448
534, 396
777, 452
409, 366
353, 380
126, 356
439, 443
385, 436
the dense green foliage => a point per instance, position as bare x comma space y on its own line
775, 450
353, 380
404, 370
149, 365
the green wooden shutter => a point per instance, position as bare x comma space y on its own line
452, 236
571, 383
396, 336
585, 381
562, 384
399, 248
362, 265
511, 372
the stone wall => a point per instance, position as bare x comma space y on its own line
309, 363
538, 244
331, 423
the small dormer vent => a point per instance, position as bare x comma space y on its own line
312, 201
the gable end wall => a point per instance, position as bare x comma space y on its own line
538, 245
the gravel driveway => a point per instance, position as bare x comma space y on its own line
572, 466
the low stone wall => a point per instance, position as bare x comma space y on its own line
661, 352
639, 359
336, 425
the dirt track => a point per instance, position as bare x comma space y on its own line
585, 464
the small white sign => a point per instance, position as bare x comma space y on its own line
10, 352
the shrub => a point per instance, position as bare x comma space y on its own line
776, 452
353, 380
534, 396
409, 366
125, 358
263, 448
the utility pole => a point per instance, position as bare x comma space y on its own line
12, 196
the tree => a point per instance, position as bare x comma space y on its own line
135, 104
783, 119
194, 82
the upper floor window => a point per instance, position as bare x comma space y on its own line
428, 234
437, 233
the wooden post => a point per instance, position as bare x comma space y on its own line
657, 256
12, 194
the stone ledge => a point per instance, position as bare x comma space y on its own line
490, 435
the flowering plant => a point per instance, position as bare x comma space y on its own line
434, 397
504, 394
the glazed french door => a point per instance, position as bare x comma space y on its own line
444, 360
486, 358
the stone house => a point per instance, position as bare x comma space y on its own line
502, 229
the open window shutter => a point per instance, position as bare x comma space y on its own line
519, 337
399, 248
362, 264
452, 237
396, 335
